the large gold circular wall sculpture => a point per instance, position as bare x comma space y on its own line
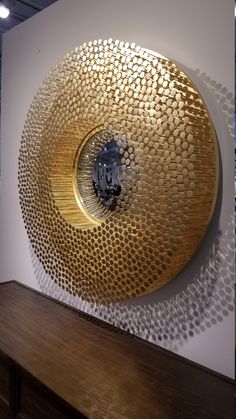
114, 91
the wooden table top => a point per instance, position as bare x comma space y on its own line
101, 372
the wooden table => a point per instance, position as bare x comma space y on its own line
56, 362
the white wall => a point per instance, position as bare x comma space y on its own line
199, 35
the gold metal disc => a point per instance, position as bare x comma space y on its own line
169, 171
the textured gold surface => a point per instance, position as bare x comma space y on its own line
169, 167
62, 175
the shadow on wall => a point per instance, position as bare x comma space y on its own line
197, 299
224, 98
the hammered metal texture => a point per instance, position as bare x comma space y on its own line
169, 166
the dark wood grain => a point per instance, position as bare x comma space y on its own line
4, 380
101, 373
36, 402
4, 410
